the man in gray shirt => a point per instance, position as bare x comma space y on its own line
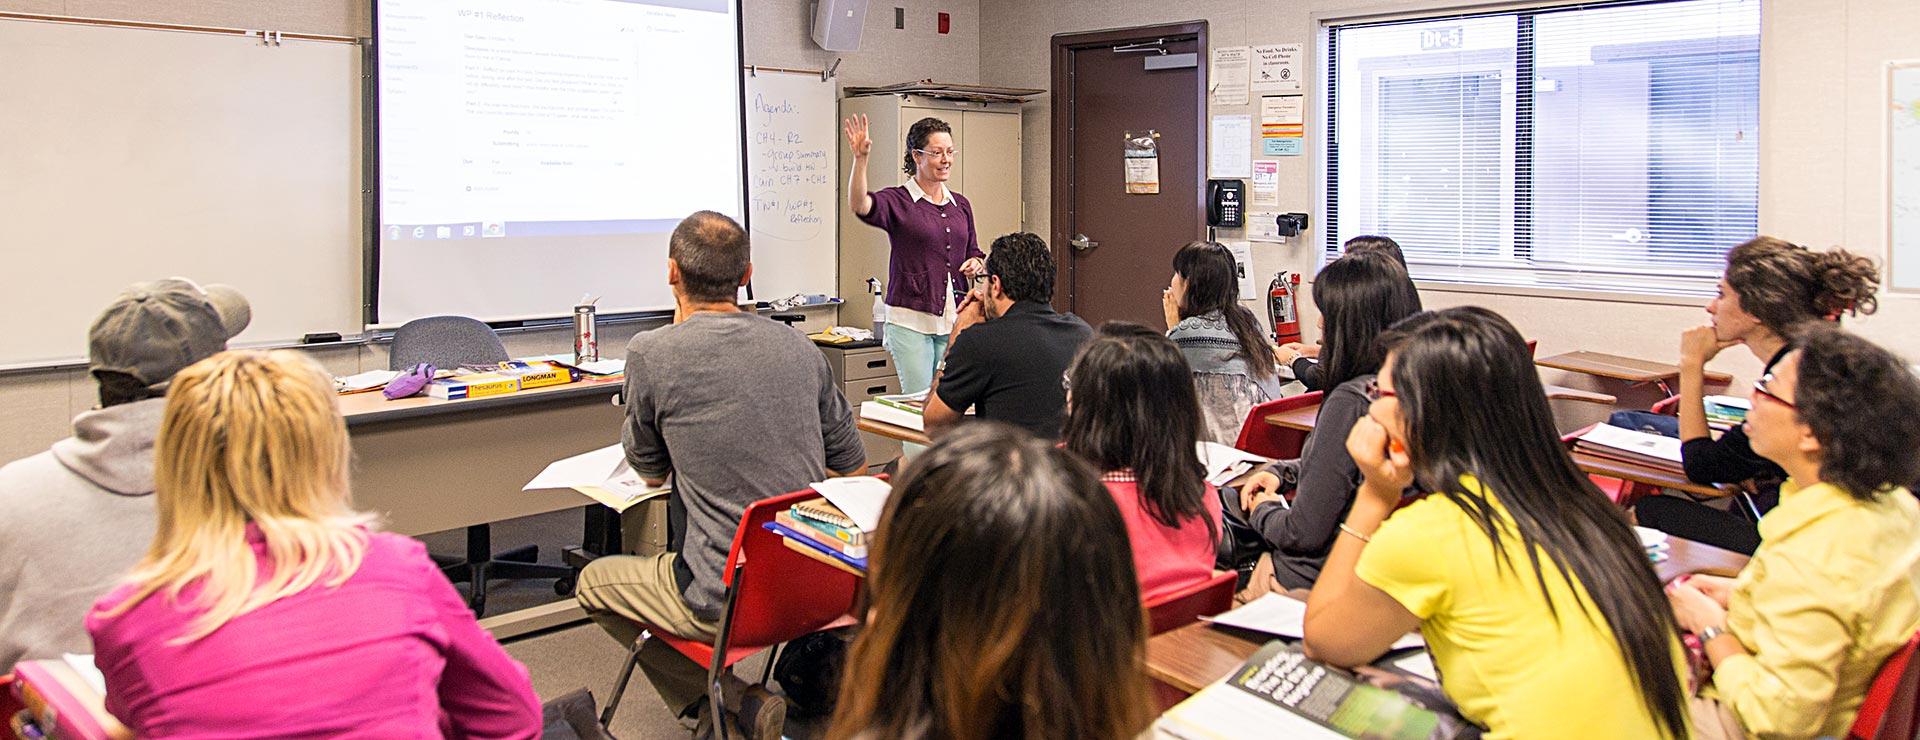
737, 408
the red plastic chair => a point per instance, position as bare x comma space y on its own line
1261, 438
10, 705
1892, 708
786, 596
1187, 605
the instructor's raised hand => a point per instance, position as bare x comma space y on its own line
857, 138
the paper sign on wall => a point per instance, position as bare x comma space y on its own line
1264, 226
1231, 67
1230, 148
1143, 162
1266, 182
1243, 268
1276, 67
1283, 125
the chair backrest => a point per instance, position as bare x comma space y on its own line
782, 594
10, 704
446, 342
1187, 605
1892, 708
1261, 438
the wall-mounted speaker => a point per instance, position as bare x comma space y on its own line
837, 24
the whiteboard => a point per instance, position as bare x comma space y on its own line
793, 149
1903, 175
134, 154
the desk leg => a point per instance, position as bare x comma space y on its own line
601, 536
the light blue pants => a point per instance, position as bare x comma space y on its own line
914, 356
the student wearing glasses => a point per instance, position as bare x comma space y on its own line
933, 246
1539, 605
1794, 641
1770, 289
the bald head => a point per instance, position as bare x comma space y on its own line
711, 252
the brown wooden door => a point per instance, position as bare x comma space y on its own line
1100, 93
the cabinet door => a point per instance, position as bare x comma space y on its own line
990, 157
956, 180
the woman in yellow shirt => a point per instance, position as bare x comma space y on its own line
1797, 638
1538, 604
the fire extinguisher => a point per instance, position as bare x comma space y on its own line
1281, 309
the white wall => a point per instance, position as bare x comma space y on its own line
35, 407
1822, 129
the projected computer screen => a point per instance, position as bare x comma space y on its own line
532, 152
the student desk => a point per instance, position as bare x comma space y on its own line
428, 465
1191, 657
891, 431
1615, 367
1302, 418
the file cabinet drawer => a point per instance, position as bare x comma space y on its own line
860, 364
862, 390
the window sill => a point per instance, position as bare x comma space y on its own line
1569, 294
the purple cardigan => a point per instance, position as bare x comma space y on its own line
929, 243
390, 653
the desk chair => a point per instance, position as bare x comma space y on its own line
448, 342
1892, 708
1261, 438
785, 596
10, 705
1187, 605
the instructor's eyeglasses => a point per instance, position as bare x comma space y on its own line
940, 153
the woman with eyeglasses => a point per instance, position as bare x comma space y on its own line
1539, 606
1795, 640
1360, 296
933, 249
1770, 289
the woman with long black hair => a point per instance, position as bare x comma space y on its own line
1539, 606
1128, 374
1233, 365
1359, 296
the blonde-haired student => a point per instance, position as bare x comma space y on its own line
267, 606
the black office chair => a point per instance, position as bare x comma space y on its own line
448, 342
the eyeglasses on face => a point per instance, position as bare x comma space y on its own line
1375, 392
939, 153
1760, 388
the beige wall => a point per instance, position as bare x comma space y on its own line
35, 407
1822, 128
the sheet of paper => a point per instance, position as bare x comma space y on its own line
620, 502
1231, 68
1285, 616
1652, 445
861, 497
1243, 267
83, 665
1143, 175
1230, 147
1220, 461
366, 381
1276, 67
1283, 127
1224, 711
1262, 227
1266, 182
585, 469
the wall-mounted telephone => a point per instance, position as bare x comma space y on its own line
1226, 203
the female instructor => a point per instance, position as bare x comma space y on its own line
933, 250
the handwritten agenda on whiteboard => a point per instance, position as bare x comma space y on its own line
793, 149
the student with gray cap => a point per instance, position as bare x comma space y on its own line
80, 514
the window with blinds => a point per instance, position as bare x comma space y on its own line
1602, 146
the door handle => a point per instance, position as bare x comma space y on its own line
1081, 243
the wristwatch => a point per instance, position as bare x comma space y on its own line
1707, 635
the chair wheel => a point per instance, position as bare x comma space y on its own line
563, 586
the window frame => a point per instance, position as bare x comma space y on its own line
1321, 88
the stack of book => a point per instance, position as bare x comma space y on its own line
1727, 411
511, 377
1639, 448
1279, 692
902, 410
817, 523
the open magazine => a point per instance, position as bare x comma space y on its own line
1280, 693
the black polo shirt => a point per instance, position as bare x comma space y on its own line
1011, 367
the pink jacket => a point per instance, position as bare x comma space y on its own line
390, 653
